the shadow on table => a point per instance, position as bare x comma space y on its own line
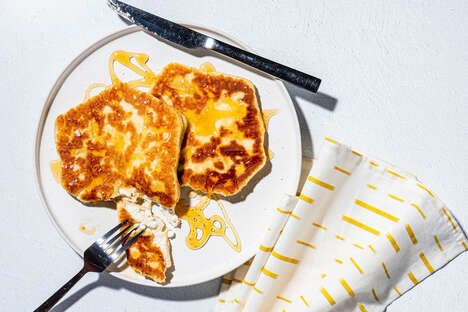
323, 100
199, 291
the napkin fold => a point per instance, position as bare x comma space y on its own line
360, 234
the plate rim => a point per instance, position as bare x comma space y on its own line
50, 100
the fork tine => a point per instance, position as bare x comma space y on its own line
111, 241
123, 238
110, 232
127, 244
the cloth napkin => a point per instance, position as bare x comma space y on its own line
360, 234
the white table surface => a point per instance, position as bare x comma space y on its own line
395, 77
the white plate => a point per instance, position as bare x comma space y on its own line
250, 216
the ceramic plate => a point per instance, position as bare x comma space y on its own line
250, 216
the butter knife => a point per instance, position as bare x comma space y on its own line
191, 39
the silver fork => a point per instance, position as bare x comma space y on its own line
99, 256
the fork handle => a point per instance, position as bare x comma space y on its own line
49, 303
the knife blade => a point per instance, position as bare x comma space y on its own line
191, 39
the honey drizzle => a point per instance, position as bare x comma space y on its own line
56, 168
214, 225
87, 228
268, 114
237, 245
271, 154
126, 59
204, 123
207, 67
93, 86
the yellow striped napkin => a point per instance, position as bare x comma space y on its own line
361, 233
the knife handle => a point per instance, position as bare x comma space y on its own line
283, 72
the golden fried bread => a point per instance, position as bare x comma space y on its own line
150, 255
120, 140
224, 145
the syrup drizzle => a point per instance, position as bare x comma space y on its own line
96, 85
136, 62
87, 228
56, 168
268, 114
202, 227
